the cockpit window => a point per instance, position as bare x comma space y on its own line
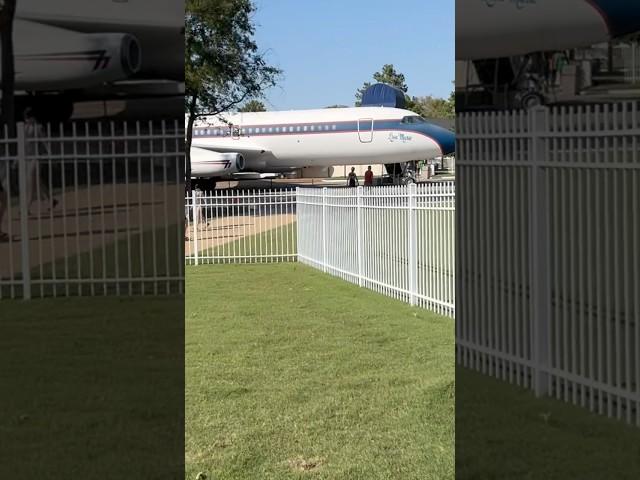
413, 119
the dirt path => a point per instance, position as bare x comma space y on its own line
87, 219
221, 231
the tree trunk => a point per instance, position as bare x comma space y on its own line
192, 118
7, 14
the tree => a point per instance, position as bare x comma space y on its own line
337, 106
7, 14
253, 106
432, 107
386, 75
223, 67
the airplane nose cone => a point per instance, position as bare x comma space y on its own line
445, 138
621, 16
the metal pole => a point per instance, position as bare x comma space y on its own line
324, 229
413, 244
359, 232
24, 213
539, 256
195, 225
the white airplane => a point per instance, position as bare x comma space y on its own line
506, 28
243, 144
499, 44
78, 49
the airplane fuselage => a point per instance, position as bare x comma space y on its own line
505, 28
323, 138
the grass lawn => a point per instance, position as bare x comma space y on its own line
504, 432
274, 245
92, 388
291, 373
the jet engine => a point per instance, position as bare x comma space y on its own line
207, 164
50, 58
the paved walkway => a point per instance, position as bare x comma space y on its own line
224, 230
87, 219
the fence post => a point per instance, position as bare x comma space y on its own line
298, 224
195, 225
24, 213
359, 232
539, 255
413, 242
324, 229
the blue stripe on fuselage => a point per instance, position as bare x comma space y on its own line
622, 16
443, 137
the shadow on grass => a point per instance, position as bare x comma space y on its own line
92, 388
504, 432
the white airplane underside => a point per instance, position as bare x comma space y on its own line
272, 142
501, 45
501, 28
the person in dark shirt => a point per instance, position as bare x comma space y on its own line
352, 179
368, 177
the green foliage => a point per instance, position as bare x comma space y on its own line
433, 107
222, 64
337, 106
223, 67
253, 106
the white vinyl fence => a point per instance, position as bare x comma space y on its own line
396, 240
116, 226
548, 272
240, 226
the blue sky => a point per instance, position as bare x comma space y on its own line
329, 48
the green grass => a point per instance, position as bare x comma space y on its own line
504, 432
92, 388
270, 245
294, 374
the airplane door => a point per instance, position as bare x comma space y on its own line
365, 130
236, 129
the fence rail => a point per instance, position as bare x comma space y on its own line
397, 240
92, 209
548, 286
240, 226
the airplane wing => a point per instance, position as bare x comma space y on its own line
253, 176
244, 149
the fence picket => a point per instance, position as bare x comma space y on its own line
95, 238
549, 236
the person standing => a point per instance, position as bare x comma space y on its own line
38, 189
368, 177
352, 179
